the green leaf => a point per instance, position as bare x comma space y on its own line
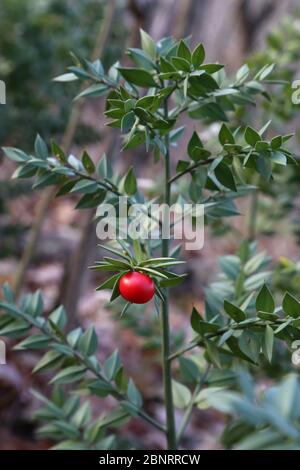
148, 44
36, 304
138, 77
268, 342
66, 188
37, 341
251, 136
181, 394
93, 91
91, 200
112, 365
198, 56
15, 154
211, 111
130, 185
194, 142
267, 316
58, 152
225, 176
100, 388
250, 345
104, 168
65, 77
115, 290
88, 343
59, 317
141, 58
276, 142
182, 165
200, 326
133, 394
212, 353
234, 312
211, 68
8, 292
291, 306
279, 158
88, 163
181, 64
225, 135
172, 281
127, 122
265, 301
83, 415
46, 180
40, 148
265, 71
262, 145
49, 360
74, 336
183, 51
69, 375
189, 370
85, 186
109, 283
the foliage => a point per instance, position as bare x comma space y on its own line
268, 419
242, 319
50, 30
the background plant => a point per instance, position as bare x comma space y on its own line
240, 326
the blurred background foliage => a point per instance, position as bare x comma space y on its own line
37, 37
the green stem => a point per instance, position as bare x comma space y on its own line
190, 168
253, 215
167, 373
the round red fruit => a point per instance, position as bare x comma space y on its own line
137, 288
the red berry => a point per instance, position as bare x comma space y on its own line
137, 288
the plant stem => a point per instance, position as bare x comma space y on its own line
167, 373
190, 168
253, 215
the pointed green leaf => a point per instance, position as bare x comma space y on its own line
112, 365
148, 44
88, 163
268, 342
182, 395
291, 306
234, 312
224, 176
40, 148
183, 51
198, 56
133, 394
225, 135
138, 77
130, 185
265, 301
251, 136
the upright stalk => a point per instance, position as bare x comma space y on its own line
252, 220
167, 374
